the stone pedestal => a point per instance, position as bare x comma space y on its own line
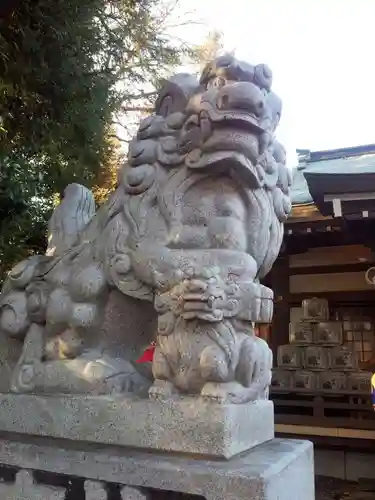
280, 469
189, 425
138, 446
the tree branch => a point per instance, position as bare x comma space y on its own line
116, 122
143, 109
142, 95
115, 136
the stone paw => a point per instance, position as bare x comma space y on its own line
229, 392
161, 389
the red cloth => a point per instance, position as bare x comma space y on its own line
147, 356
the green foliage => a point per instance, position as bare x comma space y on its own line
66, 68
23, 211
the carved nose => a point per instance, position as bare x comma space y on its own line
243, 96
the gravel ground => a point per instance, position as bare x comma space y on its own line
335, 489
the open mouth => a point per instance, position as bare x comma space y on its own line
212, 132
207, 121
234, 140
227, 141
213, 120
233, 163
236, 120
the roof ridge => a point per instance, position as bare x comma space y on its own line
308, 156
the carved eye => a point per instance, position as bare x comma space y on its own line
216, 82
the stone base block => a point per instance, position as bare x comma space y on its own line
189, 425
280, 469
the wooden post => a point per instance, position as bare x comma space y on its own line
279, 282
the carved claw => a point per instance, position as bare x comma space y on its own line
214, 392
161, 390
225, 393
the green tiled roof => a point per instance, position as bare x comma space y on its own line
363, 164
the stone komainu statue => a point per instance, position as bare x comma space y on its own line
195, 222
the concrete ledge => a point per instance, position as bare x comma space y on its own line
188, 425
348, 465
280, 469
340, 432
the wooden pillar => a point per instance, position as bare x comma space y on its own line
279, 282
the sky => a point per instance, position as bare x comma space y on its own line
322, 54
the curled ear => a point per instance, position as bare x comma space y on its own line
175, 94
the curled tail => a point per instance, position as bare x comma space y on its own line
70, 217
